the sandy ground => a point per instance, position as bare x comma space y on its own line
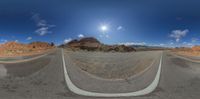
112, 65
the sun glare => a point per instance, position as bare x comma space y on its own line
104, 28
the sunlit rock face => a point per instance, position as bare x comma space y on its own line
88, 43
92, 44
15, 48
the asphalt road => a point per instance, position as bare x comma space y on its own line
89, 82
43, 78
113, 65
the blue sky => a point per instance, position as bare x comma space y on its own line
149, 22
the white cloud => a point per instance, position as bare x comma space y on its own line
67, 40
107, 36
81, 36
29, 38
194, 40
132, 43
16, 40
42, 23
162, 44
3, 41
42, 31
178, 34
187, 44
100, 36
104, 36
119, 28
43, 26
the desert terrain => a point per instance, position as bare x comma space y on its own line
110, 72
15, 49
115, 70
193, 52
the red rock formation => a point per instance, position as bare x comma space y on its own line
15, 48
39, 45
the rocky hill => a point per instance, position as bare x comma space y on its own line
40, 45
18, 49
92, 44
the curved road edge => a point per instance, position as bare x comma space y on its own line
79, 91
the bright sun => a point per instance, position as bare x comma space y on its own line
104, 28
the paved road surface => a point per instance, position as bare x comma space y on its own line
180, 79
89, 82
43, 79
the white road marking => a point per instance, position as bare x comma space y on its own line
79, 91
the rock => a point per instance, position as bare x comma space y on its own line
88, 44
15, 48
92, 44
40, 45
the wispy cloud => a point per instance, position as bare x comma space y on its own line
194, 40
67, 40
107, 36
43, 26
132, 43
178, 34
161, 44
29, 38
187, 44
81, 36
119, 28
104, 36
3, 41
171, 43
